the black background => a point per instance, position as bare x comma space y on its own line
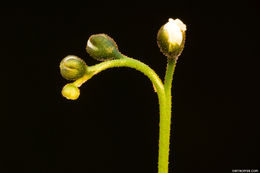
113, 126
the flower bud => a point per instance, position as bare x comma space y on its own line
70, 91
72, 67
102, 47
171, 38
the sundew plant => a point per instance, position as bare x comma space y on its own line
170, 39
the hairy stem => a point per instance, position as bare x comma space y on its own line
132, 63
165, 121
169, 77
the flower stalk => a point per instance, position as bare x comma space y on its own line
170, 39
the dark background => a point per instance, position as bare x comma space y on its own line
113, 126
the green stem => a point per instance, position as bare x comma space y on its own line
168, 80
165, 121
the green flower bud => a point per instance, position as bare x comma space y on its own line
72, 67
171, 38
70, 91
102, 47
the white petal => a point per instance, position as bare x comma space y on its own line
174, 32
181, 25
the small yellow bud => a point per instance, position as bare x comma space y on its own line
171, 38
70, 91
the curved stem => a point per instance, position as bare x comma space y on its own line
125, 61
132, 63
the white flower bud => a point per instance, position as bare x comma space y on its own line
171, 38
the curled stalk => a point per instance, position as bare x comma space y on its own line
124, 61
